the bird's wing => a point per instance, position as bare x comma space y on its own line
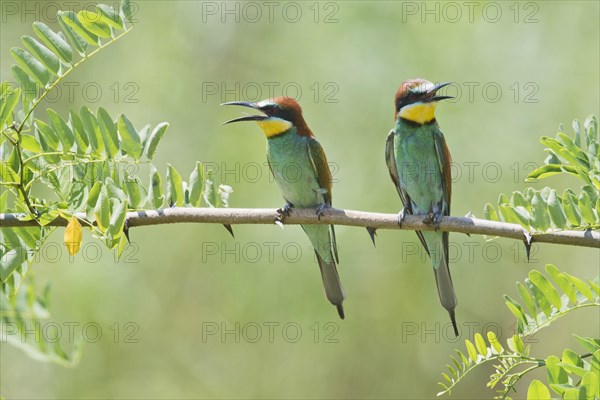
390, 160
444, 161
319, 163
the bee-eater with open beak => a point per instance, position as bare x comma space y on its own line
419, 163
299, 166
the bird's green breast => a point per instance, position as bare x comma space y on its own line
418, 167
293, 170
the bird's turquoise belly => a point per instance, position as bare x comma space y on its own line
293, 171
419, 171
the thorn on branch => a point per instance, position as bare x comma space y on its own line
229, 229
126, 230
372, 233
527, 239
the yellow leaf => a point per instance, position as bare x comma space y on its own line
73, 236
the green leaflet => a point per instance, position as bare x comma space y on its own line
27, 85
109, 16
131, 142
10, 99
114, 190
117, 222
571, 208
563, 283
42, 53
92, 131
154, 139
31, 65
155, 196
174, 186
587, 208
46, 136
556, 211
127, 10
517, 311
76, 40
134, 195
28, 142
537, 391
93, 200
541, 300
94, 23
102, 211
528, 300
63, 131
81, 137
196, 185
109, 133
490, 213
539, 213
72, 21
546, 288
54, 42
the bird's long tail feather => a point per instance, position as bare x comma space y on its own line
446, 288
332, 284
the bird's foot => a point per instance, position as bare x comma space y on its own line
321, 210
401, 215
283, 212
433, 218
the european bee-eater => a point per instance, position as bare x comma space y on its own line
419, 163
299, 166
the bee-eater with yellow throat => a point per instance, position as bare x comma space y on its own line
291, 146
419, 163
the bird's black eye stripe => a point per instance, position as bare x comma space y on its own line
270, 109
411, 97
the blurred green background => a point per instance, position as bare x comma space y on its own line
193, 313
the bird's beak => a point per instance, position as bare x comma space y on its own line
247, 117
436, 88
